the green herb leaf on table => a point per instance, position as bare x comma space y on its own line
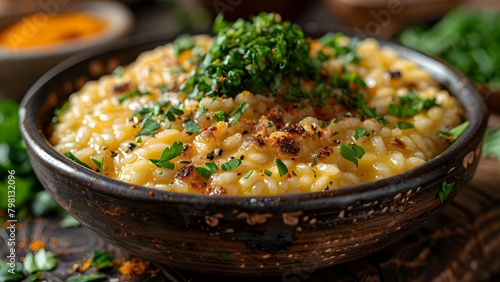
9, 274
101, 259
29, 264
43, 204
42, 260
34, 277
88, 277
68, 221
491, 143
352, 153
45, 260
453, 134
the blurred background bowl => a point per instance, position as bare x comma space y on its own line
288, 9
20, 68
383, 18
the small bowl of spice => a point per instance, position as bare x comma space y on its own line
34, 40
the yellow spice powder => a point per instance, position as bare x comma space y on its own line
38, 30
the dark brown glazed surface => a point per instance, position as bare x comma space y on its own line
261, 235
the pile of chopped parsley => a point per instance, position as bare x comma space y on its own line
261, 56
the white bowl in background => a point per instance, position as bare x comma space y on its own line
19, 69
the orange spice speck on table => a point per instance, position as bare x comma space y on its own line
40, 30
36, 245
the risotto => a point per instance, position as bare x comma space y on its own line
369, 114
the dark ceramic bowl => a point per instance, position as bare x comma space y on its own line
292, 234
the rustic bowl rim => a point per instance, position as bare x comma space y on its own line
38, 144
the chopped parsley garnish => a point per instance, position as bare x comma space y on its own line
233, 119
72, 157
149, 127
168, 154
220, 116
132, 93
58, 112
347, 52
247, 175
212, 166
404, 125
206, 173
453, 134
118, 72
200, 112
173, 111
191, 126
156, 109
282, 169
182, 43
254, 56
367, 112
446, 188
410, 105
352, 153
270, 124
99, 164
163, 88
231, 164
268, 172
360, 132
